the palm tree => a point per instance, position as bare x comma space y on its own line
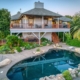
75, 26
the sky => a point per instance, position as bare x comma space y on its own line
63, 7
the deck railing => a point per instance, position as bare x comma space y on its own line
36, 26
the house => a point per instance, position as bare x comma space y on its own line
39, 22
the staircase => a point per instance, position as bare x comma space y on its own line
55, 38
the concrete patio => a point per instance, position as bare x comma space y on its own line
24, 55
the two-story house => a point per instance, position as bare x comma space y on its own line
39, 22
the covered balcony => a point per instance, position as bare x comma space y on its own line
36, 26
17, 28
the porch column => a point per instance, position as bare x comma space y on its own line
10, 33
39, 38
58, 34
58, 22
42, 21
63, 36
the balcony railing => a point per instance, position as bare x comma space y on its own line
36, 26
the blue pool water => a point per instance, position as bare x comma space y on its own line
52, 62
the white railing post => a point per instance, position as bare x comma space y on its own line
63, 36
39, 38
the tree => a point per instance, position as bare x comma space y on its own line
75, 26
1, 36
68, 16
5, 21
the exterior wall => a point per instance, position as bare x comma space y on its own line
38, 21
25, 35
24, 19
50, 21
16, 21
47, 35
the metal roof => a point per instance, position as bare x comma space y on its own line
64, 19
36, 12
16, 17
41, 12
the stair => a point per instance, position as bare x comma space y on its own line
55, 38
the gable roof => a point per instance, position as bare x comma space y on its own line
36, 12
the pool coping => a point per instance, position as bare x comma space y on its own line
21, 56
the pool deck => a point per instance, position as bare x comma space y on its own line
24, 55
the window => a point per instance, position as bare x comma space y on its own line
45, 22
30, 22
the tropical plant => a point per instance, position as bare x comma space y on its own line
67, 75
44, 43
4, 49
13, 41
75, 26
27, 46
68, 37
77, 35
34, 45
18, 49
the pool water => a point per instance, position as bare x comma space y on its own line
38, 68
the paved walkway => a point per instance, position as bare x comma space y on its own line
21, 56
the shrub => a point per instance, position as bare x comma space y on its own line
49, 42
44, 43
38, 49
44, 39
68, 37
13, 41
67, 75
35, 45
4, 49
28, 46
72, 42
18, 49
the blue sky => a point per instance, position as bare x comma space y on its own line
63, 7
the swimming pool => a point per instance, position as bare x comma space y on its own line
50, 63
